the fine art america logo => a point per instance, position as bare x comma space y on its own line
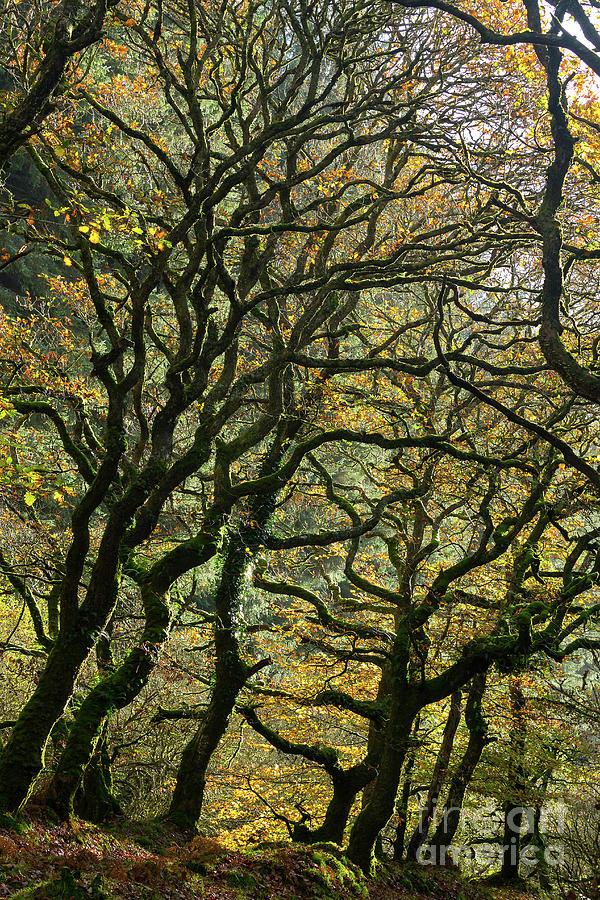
525, 846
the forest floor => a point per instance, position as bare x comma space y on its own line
149, 861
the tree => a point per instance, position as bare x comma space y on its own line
550, 36
300, 253
519, 625
37, 43
245, 245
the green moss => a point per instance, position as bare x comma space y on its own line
64, 888
339, 872
12, 823
244, 881
292, 873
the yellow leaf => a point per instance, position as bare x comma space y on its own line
94, 237
29, 498
67, 261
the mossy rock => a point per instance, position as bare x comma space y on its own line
338, 871
307, 872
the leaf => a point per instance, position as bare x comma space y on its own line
67, 261
95, 237
29, 498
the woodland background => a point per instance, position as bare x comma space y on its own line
299, 485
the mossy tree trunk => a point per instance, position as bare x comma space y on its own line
375, 739
95, 800
375, 815
84, 746
408, 699
186, 804
121, 685
403, 709
347, 785
412, 691
231, 672
22, 757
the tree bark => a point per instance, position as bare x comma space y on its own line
375, 740
186, 804
346, 788
95, 800
347, 784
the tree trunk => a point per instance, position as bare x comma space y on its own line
22, 757
375, 740
119, 688
95, 800
345, 791
231, 672
478, 738
346, 787
437, 779
512, 808
375, 815
122, 685
186, 804
402, 806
